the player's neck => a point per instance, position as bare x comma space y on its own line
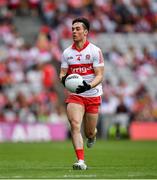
80, 44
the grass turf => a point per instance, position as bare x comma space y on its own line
106, 160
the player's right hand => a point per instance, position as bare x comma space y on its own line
63, 79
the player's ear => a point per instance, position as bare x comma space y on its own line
86, 32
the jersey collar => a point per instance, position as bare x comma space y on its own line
84, 46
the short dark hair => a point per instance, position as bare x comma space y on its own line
82, 20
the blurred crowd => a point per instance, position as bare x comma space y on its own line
28, 77
29, 86
137, 100
104, 15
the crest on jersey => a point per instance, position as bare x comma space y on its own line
87, 56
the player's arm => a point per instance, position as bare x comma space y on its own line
63, 72
98, 65
99, 75
64, 69
63, 75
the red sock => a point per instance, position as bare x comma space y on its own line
80, 154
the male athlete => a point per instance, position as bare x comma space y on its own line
86, 59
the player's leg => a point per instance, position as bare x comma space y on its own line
92, 105
75, 113
90, 123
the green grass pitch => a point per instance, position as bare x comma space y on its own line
106, 160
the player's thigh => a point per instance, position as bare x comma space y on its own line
90, 122
75, 113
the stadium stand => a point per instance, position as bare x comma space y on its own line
33, 35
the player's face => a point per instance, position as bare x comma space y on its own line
78, 32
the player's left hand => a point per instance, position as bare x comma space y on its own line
83, 88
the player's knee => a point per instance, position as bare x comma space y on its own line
75, 126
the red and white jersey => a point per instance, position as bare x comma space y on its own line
83, 62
